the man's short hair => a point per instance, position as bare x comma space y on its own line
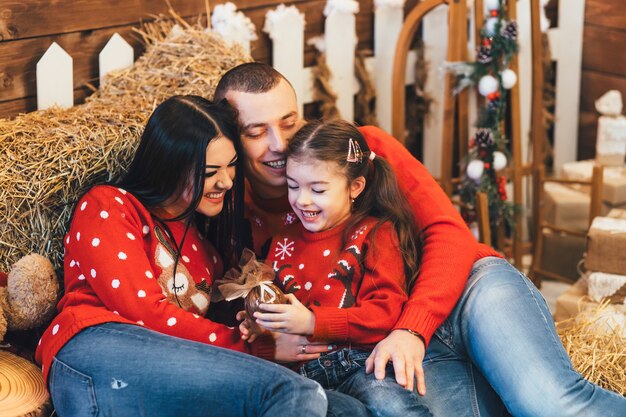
251, 77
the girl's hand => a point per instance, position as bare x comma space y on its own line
248, 328
293, 318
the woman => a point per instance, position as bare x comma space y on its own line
140, 257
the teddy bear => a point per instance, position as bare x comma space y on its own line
30, 295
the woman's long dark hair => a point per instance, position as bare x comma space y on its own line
381, 198
171, 157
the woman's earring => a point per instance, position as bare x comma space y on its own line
352, 204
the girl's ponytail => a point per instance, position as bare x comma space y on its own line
383, 199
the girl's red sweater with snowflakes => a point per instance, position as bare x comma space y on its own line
356, 290
449, 248
119, 266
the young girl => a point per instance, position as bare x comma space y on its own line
348, 264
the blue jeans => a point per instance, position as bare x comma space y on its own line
116, 369
501, 335
344, 371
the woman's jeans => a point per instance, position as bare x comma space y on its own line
343, 371
116, 369
501, 334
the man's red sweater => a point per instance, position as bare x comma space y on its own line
449, 248
356, 290
118, 268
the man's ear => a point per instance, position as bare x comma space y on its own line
357, 186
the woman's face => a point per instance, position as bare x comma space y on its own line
221, 159
219, 174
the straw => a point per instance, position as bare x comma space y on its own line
49, 158
596, 346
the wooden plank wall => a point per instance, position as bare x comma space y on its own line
82, 28
603, 66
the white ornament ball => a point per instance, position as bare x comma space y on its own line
487, 85
492, 4
475, 169
509, 78
499, 160
490, 26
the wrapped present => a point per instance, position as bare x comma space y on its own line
611, 137
614, 191
253, 282
617, 213
575, 300
606, 246
567, 207
610, 286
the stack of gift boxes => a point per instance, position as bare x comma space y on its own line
604, 249
605, 265
568, 206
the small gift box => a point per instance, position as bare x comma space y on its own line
566, 207
610, 286
575, 300
611, 138
617, 213
614, 191
606, 246
253, 282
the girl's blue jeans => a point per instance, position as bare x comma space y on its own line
116, 369
343, 371
501, 337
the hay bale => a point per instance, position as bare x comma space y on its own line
595, 341
50, 158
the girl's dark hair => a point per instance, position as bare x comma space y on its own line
330, 141
171, 157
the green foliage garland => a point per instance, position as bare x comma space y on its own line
488, 153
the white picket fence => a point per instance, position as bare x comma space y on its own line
285, 26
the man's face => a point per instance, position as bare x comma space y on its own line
269, 120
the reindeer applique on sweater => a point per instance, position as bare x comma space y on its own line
180, 288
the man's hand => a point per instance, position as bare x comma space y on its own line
293, 318
295, 348
407, 352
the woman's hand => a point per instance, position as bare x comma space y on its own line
293, 318
295, 348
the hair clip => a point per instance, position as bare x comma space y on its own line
372, 156
354, 152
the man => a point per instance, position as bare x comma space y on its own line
495, 320
268, 114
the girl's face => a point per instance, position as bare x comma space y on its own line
218, 178
319, 193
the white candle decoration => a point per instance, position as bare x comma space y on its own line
233, 26
55, 78
509, 78
488, 85
285, 26
340, 35
388, 18
499, 160
475, 169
